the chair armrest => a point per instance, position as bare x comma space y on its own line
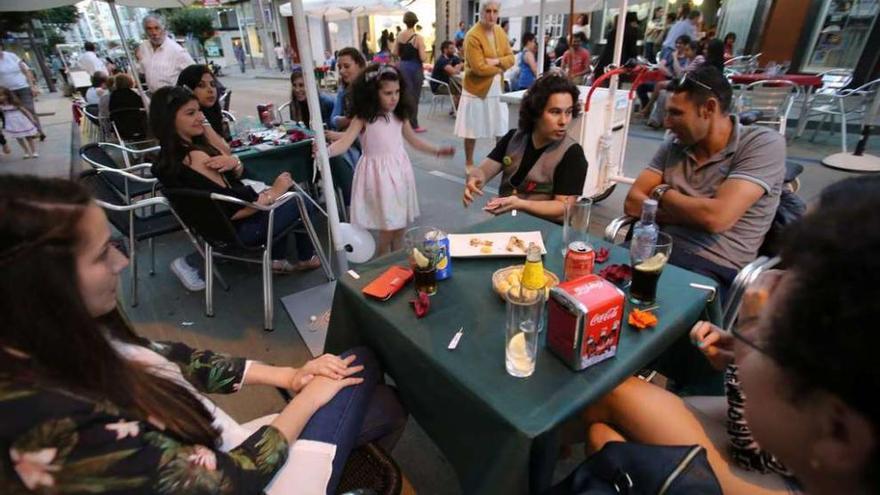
616, 225
228, 115
131, 150
156, 201
126, 172
284, 198
746, 276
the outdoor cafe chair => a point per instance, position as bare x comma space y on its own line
439, 98
135, 182
144, 219
224, 99
772, 98
849, 105
202, 214
742, 64
92, 126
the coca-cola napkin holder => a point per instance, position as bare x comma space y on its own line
584, 318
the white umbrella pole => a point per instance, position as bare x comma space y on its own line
131, 60
542, 48
323, 160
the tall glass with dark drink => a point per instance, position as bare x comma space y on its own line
423, 252
647, 267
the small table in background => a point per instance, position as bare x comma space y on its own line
499, 432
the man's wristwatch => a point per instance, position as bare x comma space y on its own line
658, 192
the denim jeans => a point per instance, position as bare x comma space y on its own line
414, 75
252, 231
357, 414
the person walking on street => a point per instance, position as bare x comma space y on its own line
410, 48
162, 59
16, 76
90, 62
279, 56
18, 122
238, 50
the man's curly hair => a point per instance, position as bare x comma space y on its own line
536, 98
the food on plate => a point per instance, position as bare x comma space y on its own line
476, 241
515, 243
642, 319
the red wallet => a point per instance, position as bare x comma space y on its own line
389, 283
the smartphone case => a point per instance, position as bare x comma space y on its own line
389, 283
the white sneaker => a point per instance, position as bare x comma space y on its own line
188, 275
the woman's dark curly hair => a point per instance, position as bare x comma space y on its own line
823, 331
365, 93
536, 98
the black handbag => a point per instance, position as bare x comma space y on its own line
628, 468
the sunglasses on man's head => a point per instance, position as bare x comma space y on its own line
686, 78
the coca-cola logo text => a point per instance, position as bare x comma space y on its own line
609, 315
586, 288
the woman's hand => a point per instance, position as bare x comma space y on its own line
714, 343
493, 62
321, 390
328, 365
502, 204
473, 187
282, 183
223, 163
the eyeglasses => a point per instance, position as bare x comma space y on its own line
737, 333
382, 69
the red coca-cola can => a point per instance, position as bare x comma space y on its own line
579, 260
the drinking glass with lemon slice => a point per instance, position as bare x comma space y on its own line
647, 267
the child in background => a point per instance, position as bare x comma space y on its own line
384, 191
18, 123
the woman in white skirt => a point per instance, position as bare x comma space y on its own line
487, 54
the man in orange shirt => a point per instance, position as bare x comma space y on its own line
576, 61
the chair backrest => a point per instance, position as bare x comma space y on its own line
91, 112
131, 123
101, 187
834, 80
224, 99
772, 98
203, 216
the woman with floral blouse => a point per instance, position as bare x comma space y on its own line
87, 406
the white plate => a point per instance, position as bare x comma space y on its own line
460, 244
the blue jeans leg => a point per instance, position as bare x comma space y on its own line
339, 421
252, 231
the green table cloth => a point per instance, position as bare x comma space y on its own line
267, 164
493, 427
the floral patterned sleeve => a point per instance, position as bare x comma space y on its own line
208, 371
65, 445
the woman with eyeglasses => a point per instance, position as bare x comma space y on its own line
189, 159
201, 81
800, 411
89, 406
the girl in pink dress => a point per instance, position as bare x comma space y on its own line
383, 194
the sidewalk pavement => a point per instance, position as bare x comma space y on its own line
55, 152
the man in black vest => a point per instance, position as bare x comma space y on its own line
541, 167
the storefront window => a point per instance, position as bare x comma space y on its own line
840, 36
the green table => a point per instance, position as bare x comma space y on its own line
497, 431
265, 165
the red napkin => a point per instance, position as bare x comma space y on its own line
616, 273
602, 255
421, 304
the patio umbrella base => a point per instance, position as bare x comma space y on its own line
853, 163
310, 312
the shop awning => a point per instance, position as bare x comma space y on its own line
524, 8
333, 10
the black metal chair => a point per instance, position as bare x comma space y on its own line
203, 214
136, 220
369, 469
133, 184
